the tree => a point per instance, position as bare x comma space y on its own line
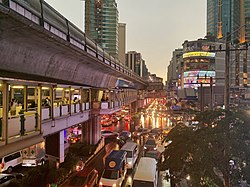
214, 153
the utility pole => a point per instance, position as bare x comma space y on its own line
211, 93
227, 86
202, 98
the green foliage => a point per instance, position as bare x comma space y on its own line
36, 177
70, 161
80, 149
204, 152
14, 183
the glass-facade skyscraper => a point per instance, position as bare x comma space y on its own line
101, 24
228, 16
247, 19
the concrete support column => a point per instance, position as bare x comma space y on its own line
70, 100
61, 146
95, 129
52, 101
63, 94
25, 98
35, 96
5, 93
39, 108
54, 146
81, 100
90, 131
11, 92
90, 98
85, 133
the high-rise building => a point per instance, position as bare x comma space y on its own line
122, 43
247, 19
101, 24
135, 63
229, 16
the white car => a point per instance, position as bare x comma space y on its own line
5, 179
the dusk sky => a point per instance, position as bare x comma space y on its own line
154, 28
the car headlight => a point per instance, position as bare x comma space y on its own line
145, 147
114, 185
155, 148
100, 183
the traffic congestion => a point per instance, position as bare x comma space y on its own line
143, 145
127, 147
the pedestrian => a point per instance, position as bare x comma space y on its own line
13, 105
47, 102
75, 100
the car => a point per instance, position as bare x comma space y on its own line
157, 131
86, 177
125, 135
150, 145
5, 179
153, 154
140, 131
73, 138
109, 134
7, 162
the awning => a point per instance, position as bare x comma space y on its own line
19, 145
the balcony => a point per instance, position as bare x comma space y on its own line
106, 107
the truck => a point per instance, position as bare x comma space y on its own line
34, 155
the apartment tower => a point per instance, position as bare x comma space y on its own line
101, 24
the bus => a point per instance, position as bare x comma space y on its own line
132, 153
115, 169
146, 174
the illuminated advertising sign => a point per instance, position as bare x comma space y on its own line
199, 54
192, 79
199, 74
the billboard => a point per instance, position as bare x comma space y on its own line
199, 73
199, 54
193, 79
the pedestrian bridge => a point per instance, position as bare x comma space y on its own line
44, 54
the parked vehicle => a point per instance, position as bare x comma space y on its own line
132, 153
115, 169
146, 174
5, 179
34, 155
88, 177
9, 161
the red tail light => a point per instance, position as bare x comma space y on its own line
2, 165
